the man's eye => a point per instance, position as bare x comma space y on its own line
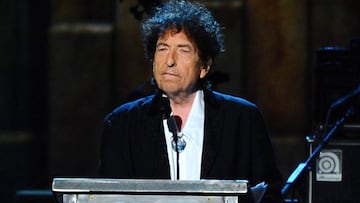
185, 50
161, 48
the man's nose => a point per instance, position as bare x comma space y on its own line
170, 60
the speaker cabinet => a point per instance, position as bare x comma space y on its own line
337, 74
335, 174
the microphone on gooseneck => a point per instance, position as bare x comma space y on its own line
164, 107
171, 122
165, 110
178, 143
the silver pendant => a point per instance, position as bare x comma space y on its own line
180, 145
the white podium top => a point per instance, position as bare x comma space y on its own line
97, 185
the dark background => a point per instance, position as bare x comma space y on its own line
65, 64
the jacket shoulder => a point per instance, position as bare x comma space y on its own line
140, 105
230, 100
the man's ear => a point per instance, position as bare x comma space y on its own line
205, 68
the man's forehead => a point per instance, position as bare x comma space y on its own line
172, 32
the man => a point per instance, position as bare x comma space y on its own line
215, 136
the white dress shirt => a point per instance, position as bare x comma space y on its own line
193, 134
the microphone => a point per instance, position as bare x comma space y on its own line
178, 143
346, 99
173, 127
164, 107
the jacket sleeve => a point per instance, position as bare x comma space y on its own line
263, 159
115, 160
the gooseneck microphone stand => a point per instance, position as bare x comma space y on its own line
174, 130
165, 110
296, 174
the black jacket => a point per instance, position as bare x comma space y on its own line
236, 143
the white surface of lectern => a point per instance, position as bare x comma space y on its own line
95, 190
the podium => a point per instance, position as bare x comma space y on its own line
96, 190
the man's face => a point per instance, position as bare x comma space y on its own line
177, 66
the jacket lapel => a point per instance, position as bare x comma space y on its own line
157, 137
212, 133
